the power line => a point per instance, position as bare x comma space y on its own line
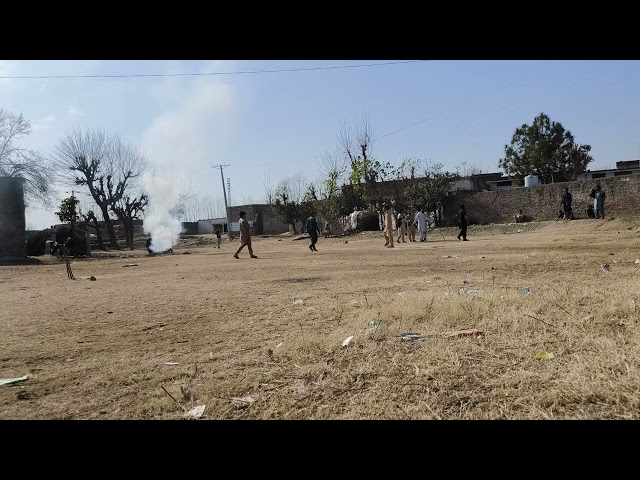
502, 86
546, 109
493, 115
210, 74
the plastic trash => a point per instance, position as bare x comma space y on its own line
411, 336
11, 381
545, 356
195, 412
526, 290
472, 332
347, 341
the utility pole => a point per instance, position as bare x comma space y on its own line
226, 205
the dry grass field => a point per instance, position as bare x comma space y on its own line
270, 330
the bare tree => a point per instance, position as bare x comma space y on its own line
21, 162
106, 164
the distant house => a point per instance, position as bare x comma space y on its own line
504, 184
629, 167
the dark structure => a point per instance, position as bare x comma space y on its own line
13, 243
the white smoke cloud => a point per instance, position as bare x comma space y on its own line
161, 222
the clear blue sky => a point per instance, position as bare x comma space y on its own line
272, 125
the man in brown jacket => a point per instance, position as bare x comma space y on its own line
245, 236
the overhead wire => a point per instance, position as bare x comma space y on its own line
470, 100
496, 113
205, 74
546, 109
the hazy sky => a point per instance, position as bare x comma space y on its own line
271, 125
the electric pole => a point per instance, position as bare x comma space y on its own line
226, 205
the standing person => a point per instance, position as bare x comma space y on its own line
411, 226
245, 236
421, 220
218, 237
598, 202
388, 227
401, 226
463, 222
566, 203
354, 219
312, 230
149, 245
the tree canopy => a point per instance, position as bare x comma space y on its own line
545, 149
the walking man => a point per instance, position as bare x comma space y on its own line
312, 230
411, 226
463, 221
245, 236
421, 220
401, 226
218, 237
598, 202
388, 227
566, 203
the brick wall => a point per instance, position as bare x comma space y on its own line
267, 224
542, 202
12, 218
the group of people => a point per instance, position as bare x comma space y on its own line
408, 225
595, 211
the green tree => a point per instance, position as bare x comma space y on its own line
541, 149
68, 212
287, 200
429, 192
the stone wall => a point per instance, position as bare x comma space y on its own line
12, 218
542, 202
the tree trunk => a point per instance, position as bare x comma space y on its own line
129, 227
98, 233
113, 242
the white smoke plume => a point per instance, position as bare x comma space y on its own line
162, 220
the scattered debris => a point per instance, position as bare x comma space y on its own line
186, 252
606, 267
637, 261
520, 231
25, 396
376, 322
472, 293
130, 265
545, 356
411, 336
450, 256
462, 333
611, 253
346, 241
171, 364
109, 312
92, 278
526, 290
298, 302
347, 341
465, 282
195, 412
303, 393
11, 381
279, 345
242, 402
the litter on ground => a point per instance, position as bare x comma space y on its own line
347, 341
411, 336
461, 333
11, 381
195, 412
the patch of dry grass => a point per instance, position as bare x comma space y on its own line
272, 329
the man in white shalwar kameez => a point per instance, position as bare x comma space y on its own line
421, 220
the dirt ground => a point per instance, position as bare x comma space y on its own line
262, 338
